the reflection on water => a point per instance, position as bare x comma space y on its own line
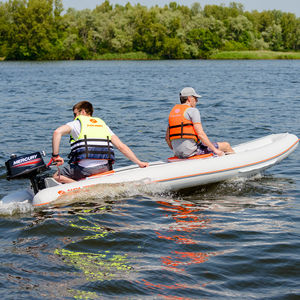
188, 223
148, 244
96, 266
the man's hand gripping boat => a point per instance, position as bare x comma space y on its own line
249, 159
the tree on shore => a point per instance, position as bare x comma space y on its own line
41, 30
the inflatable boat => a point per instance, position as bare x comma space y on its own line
173, 174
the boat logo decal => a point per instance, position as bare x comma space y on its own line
62, 192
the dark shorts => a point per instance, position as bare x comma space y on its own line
76, 172
202, 149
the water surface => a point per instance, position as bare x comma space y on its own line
232, 240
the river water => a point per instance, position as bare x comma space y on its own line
232, 240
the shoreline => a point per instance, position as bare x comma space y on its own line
254, 55
216, 55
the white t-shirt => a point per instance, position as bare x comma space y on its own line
86, 163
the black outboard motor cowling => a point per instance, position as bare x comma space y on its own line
26, 166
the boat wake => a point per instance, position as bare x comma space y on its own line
231, 195
15, 208
93, 194
110, 191
260, 192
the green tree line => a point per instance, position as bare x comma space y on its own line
41, 30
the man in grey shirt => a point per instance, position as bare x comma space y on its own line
185, 134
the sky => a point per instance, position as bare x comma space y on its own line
292, 6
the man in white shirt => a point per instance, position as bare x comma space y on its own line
92, 144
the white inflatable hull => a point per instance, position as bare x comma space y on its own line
250, 158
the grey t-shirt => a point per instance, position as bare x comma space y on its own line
187, 147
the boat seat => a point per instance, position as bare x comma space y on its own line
175, 158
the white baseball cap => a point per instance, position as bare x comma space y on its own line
189, 91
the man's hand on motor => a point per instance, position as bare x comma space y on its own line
57, 160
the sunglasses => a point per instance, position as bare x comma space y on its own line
75, 114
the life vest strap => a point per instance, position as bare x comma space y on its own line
110, 161
181, 125
86, 147
83, 151
181, 134
93, 146
90, 140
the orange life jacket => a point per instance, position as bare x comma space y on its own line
179, 126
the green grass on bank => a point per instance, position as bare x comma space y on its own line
218, 55
255, 55
126, 56
261, 54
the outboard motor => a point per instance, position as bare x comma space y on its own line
26, 166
